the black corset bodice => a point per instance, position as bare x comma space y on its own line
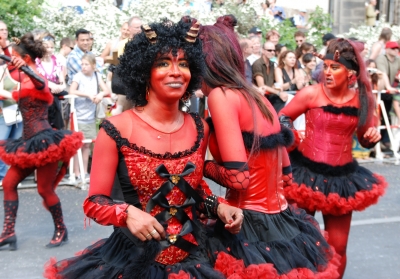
34, 115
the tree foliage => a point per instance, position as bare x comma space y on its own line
18, 15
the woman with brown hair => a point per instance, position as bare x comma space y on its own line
287, 74
325, 175
40, 148
248, 144
273, 36
301, 51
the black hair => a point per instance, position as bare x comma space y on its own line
29, 46
81, 31
140, 54
307, 58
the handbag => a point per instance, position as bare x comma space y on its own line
12, 115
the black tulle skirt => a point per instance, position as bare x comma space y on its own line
285, 245
334, 190
45, 147
120, 257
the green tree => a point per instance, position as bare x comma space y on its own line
18, 15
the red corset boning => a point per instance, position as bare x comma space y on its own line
328, 137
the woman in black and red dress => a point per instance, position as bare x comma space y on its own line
158, 152
277, 240
40, 148
326, 177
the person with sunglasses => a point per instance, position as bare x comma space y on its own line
264, 75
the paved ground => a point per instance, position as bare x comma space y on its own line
373, 251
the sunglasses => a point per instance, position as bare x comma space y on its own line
269, 50
48, 38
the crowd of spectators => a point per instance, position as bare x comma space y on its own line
270, 66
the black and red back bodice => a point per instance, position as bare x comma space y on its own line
34, 115
144, 176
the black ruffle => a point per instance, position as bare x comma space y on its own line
345, 180
120, 141
38, 143
347, 110
284, 138
119, 255
290, 239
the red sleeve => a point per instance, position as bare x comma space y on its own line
225, 110
99, 206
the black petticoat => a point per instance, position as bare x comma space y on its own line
119, 257
290, 242
45, 147
335, 190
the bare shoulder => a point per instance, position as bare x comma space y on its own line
223, 95
121, 121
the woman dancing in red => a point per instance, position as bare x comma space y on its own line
158, 154
40, 147
276, 240
326, 177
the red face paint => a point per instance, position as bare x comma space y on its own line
170, 76
336, 75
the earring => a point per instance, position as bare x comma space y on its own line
352, 79
147, 93
185, 96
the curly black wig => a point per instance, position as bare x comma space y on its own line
140, 54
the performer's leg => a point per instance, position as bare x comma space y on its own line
46, 179
338, 228
10, 183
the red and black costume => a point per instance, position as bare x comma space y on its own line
326, 177
168, 186
41, 148
277, 240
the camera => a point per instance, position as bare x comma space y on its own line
372, 71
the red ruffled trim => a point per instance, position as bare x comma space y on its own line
62, 152
51, 268
333, 204
180, 275
235, 269
43, 94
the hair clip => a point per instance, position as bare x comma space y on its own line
193, 32
150, 34
16, 40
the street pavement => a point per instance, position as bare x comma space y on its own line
373, 250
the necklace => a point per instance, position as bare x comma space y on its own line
164, 132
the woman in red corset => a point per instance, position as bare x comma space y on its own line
248, 145
158, 152
41, 148
326, 177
